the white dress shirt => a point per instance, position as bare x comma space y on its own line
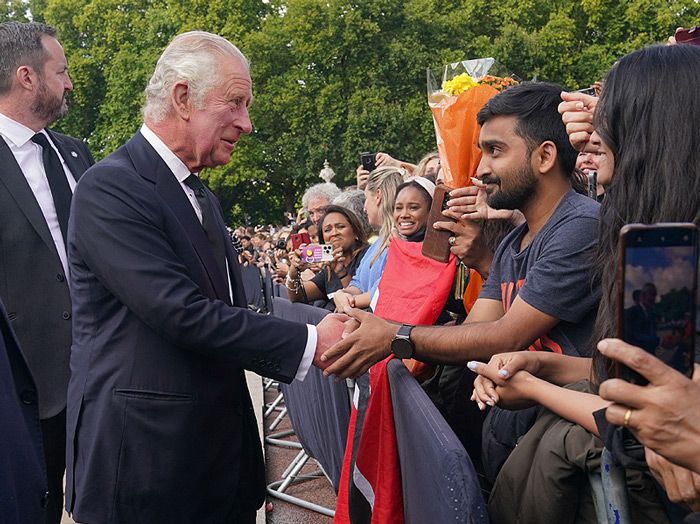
18, 138
181, 172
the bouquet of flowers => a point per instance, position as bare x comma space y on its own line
466, 86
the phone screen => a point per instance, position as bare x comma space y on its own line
658, 303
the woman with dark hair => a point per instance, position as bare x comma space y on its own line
412, 207
651, 138
342, 229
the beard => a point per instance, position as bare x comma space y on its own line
47, 106
522, 187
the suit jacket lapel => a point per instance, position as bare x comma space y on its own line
16, 183
72, 155
151, 166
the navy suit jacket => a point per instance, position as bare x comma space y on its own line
22, 471
160, 422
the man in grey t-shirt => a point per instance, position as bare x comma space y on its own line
540, 293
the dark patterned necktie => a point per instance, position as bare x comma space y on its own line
214, 233
58, 183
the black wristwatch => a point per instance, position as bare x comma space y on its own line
402, 346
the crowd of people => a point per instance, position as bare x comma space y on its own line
512, 337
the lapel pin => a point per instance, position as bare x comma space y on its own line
74, 154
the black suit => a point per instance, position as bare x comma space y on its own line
35, 291
160, 422
23, 494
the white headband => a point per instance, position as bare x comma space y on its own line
424, 183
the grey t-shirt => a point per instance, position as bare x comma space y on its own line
553, 274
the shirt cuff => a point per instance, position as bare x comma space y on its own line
309, 352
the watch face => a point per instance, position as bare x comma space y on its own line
402, 348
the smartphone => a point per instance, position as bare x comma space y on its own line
688, 36
436, 244
590, 91
657, 294
592, 189
317, 253
299, 239
368, 161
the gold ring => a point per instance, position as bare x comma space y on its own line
452, 241
627, 417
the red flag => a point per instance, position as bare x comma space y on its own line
413, 288
374, 493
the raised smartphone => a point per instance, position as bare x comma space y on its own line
657, 283
299, 239
317, 253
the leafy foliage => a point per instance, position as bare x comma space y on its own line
332, 78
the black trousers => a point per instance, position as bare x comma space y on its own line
54, 436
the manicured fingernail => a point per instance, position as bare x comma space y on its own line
481, 406
603, 345
579, 105
471, 365
324, 358
503, 373
490, 403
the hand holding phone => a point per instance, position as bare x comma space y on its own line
657, 293
368, 161
317, 253
436, 244
299, 239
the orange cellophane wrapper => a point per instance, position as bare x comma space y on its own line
471, 293
457, 133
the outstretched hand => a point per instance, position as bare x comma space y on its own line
357, 351
328, 331
664, 414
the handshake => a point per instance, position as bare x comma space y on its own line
348, 344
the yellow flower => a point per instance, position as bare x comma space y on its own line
458, 84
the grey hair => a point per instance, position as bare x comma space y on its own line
354, 200
20, 44
327, 191
193, 58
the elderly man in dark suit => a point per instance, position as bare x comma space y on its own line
38, 171
160, 422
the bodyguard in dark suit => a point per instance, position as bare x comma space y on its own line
160, 422
38, 169
23, 495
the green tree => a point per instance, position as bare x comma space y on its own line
332, 78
